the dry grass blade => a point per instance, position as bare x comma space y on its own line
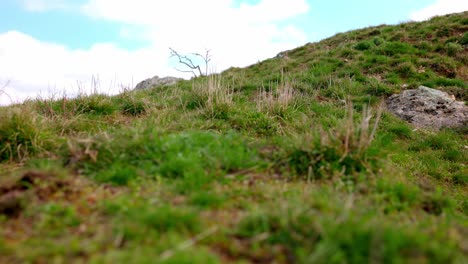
276, 101
188, 243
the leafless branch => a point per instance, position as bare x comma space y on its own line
5, 85
2, 90
187, 61
206, 58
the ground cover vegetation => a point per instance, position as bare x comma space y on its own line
291, 160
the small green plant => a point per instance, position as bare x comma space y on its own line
398, 196
363, 45
443, 32
207, 199
460, 178
133, 107
424, 46
94, 104
406, 70
395, 48
118, 174
378, 88
137, 218
453, 49
57, 217
347, 53
378, 41
400, 130
254, 122
464, 39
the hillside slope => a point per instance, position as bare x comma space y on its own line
381, 59
291, 160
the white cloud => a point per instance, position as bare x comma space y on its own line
35, 68
440, 7
237, 36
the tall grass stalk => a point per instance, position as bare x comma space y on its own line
278, 101
218, 93
341, 150
213, 94
358, 136
353, 136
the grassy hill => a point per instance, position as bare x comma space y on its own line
291, 160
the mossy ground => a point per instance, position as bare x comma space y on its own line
291, 160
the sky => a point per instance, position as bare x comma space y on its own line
56, 48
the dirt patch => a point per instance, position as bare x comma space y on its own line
236, 248
13, 195
30, 185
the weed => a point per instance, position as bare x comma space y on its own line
453, 49
379, 89
464, 39
347, 53
133, 107
143, 217
399, 196
400, 130
95, 104
378, 41
118, 174
461, 178
207, 199
255, 122
406, 70
393, 48
57, 217
363, 45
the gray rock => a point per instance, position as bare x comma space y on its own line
156, 81
428, 108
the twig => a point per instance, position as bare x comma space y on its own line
188, 243
2, 91
188, 62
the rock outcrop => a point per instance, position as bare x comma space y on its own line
156, 81
428, 108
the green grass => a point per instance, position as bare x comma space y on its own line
291, 160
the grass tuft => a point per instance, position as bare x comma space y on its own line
342, 149
22, 133
276, 102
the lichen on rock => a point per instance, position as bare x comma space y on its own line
156, 81
429, 108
